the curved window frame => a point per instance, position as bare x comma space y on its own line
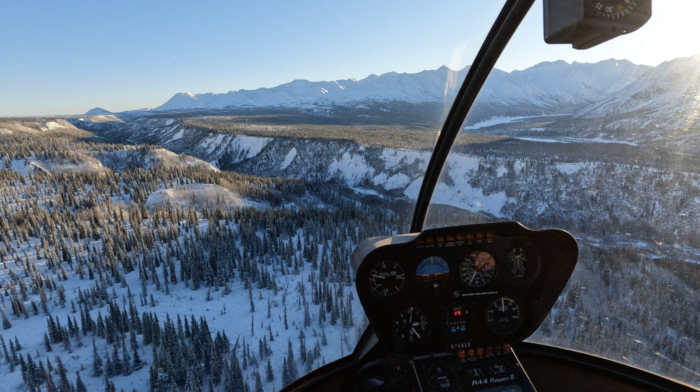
508, 21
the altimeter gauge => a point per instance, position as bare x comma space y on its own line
478, 269
386, 278
410, 326
503, 316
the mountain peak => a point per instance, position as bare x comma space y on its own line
97, 112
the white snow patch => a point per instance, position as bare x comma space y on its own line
289, 158
501, 171
399, 180
393, 157
413, 189
215, 143
538, 139
352, 168
365, 191
569, 168
497, 120
464, 162
601, 140
178, 135
195, 196
21, 166
380, 179
461, 194
251, 143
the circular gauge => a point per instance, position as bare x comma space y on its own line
478, 269
612, 9
503, 316
522, 263
432, 274
441, 377
386, 278
410, 326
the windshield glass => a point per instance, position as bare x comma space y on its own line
182, 185
607, 150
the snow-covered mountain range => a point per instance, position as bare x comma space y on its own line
550, 87
609, 101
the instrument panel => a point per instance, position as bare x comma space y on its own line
469, 290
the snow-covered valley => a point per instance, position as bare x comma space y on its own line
239, 212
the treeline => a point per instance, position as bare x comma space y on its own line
622, 305
392, 136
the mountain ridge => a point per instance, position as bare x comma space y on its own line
532, 88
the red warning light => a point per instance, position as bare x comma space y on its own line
458, 312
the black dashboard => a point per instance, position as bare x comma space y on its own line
451, 301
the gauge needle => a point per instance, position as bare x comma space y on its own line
470, 280
379, 276
416, 332
503, 306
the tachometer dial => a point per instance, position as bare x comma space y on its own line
503, 316
386, 278
478, 269
410, 326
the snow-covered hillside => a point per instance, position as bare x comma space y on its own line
194, 196
269, 290
661, 107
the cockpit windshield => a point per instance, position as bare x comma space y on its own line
182, 184
606, 149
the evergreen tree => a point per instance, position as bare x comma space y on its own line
270, 373
126, 360
50, 386
217, 366
79, 385
258, 383
109, 386
63, 383
96, 360
47, 344
6, 324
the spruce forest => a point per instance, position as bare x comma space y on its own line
137, 267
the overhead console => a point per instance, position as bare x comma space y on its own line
448, 304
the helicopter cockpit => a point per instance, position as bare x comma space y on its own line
351, 196
449, 308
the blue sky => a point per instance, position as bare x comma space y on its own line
68, 57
